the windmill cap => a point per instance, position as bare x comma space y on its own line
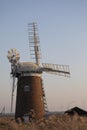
27, 67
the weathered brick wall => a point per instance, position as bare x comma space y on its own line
29, 96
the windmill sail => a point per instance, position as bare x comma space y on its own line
62, 70
13, 57
13, 88
34, 42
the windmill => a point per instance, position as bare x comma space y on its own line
30, 90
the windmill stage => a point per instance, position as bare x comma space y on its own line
30, 90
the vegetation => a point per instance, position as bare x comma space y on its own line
52, 122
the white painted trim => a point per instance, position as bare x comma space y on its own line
31, 74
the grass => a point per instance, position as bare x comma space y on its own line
53, 122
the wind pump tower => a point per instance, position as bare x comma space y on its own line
30, 90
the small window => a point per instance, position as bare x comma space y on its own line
26, 88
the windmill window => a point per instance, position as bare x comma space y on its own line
26, 88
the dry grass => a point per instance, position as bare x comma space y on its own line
53, 122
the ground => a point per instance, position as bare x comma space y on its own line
52, 122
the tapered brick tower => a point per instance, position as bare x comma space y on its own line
30, 94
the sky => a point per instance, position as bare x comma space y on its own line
62, 26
